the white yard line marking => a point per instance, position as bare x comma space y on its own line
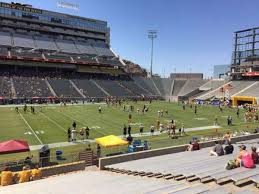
30, 128
51, 120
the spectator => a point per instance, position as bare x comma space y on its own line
98, 151
6, 177
227, 138
36, 173
189, 148
256, 130
24, 175
217, 150
244, 158
130, 139
229, 148
255, 155
195, 145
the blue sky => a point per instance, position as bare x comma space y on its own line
193, 35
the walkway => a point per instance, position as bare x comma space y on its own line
146, 134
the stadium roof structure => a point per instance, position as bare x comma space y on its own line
14, 146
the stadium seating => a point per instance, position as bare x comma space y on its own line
5, 39
178, 84
23, 41
3, 51
5, 86
110, 61
231, 88
134, 88
201, 167
66, 46
88, 88
97, 182
31, 87
114, 88
252, 91
45, 43
190, 86
103, 51
58, 56
212, 84
85, 48
142, 82
63, 88
84, 58
26, 54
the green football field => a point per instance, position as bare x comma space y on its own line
50, 125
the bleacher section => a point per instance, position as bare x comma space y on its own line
98, 182
251, 91
190, 86
5, 86
141, 81
66, 46
31, 87
178, 84
88, 88
45, 43
201, 167
114, 88
85, 48
5, 39
232, 88
212, 84
134, 88
63, 88
23, 41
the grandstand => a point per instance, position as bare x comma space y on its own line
72, 59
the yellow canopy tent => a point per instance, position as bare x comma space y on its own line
110, 141
250, 99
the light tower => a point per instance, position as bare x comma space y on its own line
152, 34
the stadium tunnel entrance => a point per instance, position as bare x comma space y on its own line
239, 100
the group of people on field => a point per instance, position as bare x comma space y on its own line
73, 134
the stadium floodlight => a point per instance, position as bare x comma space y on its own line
152, 34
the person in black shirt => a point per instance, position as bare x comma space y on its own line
87, 132
74, 125
229, 148
238, 113
129, 130
69, 134
124, 131
130, 139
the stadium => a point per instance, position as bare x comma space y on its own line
74, 112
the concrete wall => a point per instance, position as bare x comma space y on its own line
162, 151
63, 168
